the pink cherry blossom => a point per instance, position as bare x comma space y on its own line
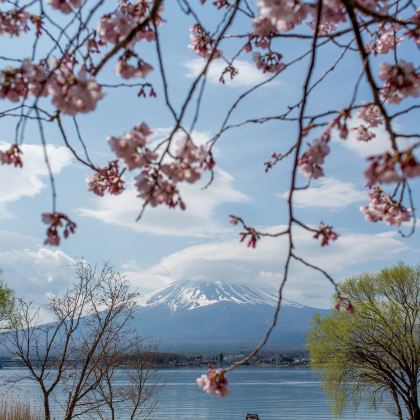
382, 169
37, 77
181, 171
157, 190
263, 26
326, 234
386, 42
190, 161
325, 28
333, 13
65, 6
128, 71
201, 42
269, 62
12, 156
310, 162
263, 33
116, 26
13, 84
73, 94
14, 22
106, 179
132, 148
385, 168
401, 80
363, 133
285, 14
371, 114
410, 167
382, 207
214, 382
57, 221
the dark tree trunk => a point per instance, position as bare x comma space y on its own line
47, 408
397, 403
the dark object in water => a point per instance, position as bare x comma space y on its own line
252, 417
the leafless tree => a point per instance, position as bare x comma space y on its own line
84, 342
140, 397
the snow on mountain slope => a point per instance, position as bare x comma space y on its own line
190, 295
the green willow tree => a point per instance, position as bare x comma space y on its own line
7, 298
374, 351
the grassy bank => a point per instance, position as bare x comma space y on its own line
18, 411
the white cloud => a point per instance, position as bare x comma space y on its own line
12, 240
329, 193
29, 180
248, 75
36, 274
232, 261
198, 220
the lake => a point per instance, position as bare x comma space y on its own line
292, 393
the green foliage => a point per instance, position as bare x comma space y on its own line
376, 350
7, 298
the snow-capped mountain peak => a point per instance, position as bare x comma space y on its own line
189, 295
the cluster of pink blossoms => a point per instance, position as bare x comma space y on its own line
326, 234
129, 71
401, 80
250, 234
73, 94
263, 27
325, 28
14, 22
386, 42
157, 181
284, 15
12, 156
371, 114
106, 179
65, 6
57, 221
269, 62
115, 27
310, 162
384, 168
14, 85
214, 382
132, 148
159, 185
382, 207
70, 93
156, 189
201, 42
189, 160
363, 133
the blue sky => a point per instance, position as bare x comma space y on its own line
168, 245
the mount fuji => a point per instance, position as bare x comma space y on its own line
202, 315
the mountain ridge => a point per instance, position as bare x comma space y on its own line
222, 316
189, 295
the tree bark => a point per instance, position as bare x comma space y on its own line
397, 403
47, 412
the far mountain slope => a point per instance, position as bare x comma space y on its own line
200, 316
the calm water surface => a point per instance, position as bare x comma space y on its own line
279, 394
